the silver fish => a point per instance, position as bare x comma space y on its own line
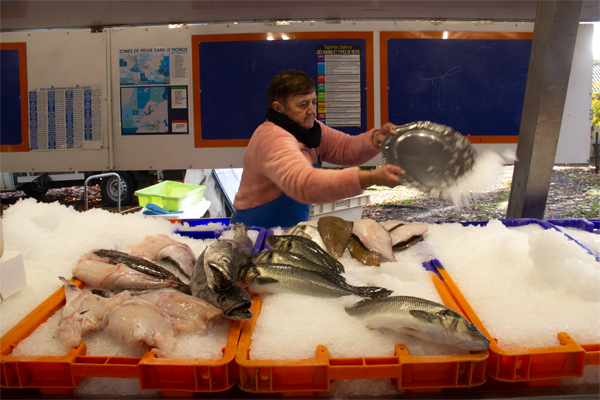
223, 259
234, 301
305, 247
420, 318
276, 278
293, 259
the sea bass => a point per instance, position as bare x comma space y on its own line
233, 302
306, 248
280, 278
293, 259
223, 259
420, 318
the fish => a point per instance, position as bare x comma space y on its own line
281, 278
83, 312
299, 230
139, 264
404, 233
293, 259
392, 223
95, 272
362, 254
179, 255
137, 323
233, 302
375, 237
150, 246
336, 233
410, 242
422, 319
223, 259
188, 313
306, 248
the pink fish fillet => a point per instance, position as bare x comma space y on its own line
188, 313
83, 312
150, 246
389, 225
98, 274
137, 323
375, 237
181, 255
405, 232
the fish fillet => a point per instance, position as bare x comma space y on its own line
375, 237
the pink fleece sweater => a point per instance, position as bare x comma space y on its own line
276, 162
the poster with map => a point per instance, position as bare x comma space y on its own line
154, 110
153, 66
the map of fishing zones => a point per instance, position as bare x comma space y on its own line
145, 110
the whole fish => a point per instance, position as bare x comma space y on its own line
234, 302
95, 272
336, 233
280, 278
306, 248
375, 237
362, 254
293, 259
139, 264
223, 259
420, 318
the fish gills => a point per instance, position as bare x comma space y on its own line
362, 254
336, 233
306, 248
420, 318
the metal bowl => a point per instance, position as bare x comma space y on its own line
434, 156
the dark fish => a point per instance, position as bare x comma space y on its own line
139, 264
223, 259
359, 251
276, 278
234, 301
306, 248
293, 259
420, 318
336, 233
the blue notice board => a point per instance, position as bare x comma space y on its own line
234, 71
14, 131
476, 86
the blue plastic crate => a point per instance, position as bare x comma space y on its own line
215, 234
578, 223
596, 223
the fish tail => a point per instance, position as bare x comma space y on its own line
372, 291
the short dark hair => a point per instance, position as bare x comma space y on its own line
288, 83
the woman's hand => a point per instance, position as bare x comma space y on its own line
380, 134
387, 175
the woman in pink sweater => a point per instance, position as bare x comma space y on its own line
282, 177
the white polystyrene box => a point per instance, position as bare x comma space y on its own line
349, 209
12, 274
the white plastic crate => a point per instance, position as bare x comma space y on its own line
349, 209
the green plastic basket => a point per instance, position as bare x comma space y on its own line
171, 196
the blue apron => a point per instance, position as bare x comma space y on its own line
283, 211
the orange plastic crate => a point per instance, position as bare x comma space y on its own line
62, 374
304, 376
539, 365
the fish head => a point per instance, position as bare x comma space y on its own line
248, 274
235, 303
462, 333
218, 272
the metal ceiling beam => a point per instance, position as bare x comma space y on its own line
553, 44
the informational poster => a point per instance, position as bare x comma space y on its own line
338, 85
64, 118
154, 85
154, 110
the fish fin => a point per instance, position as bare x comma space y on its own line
423, 315
266, 281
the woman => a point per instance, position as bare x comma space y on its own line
282, 177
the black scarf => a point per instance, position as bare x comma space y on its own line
310, 137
